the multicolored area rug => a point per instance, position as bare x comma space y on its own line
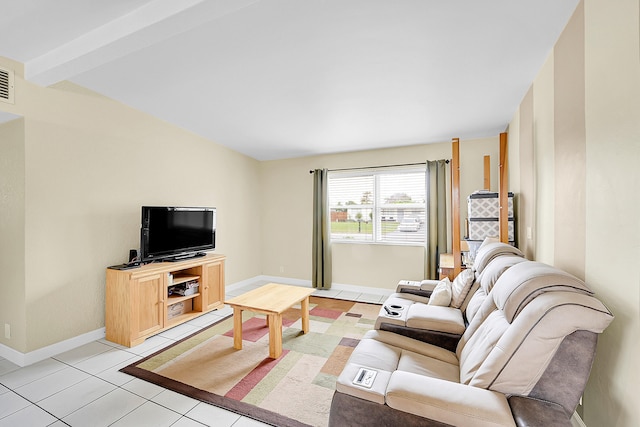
294, 390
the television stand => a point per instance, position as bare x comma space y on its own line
139, 304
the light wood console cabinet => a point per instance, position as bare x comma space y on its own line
138, 304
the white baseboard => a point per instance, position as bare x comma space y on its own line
24, 359
307, 284
283, 280
576, 421
362, 289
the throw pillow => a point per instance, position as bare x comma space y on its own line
441, 294
488, 240
461, 286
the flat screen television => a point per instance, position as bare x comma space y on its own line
174, 233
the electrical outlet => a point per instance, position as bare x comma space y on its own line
7, 331
281, 269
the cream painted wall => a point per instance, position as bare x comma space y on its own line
513, 152
513, 157
12, 272
286, 216
472, 171
570, 147
523, 168
90, 163
612, 232
543, 139
612, 104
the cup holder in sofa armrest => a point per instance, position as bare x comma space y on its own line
393, 310
528, 411
390, 313
444, 340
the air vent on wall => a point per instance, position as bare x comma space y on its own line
6, 85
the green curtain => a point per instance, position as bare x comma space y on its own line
438, 213
321, 232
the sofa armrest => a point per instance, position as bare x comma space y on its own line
447, 402
445, 340
428, 285
410, 285
423, 288
528, 411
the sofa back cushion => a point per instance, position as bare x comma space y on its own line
517, 329
489, 251
525, 281
490, 276
512, 357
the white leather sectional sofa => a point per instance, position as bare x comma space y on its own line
523, 359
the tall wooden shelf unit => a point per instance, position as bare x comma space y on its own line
453, 266
138, 305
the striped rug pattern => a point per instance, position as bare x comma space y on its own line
293, 390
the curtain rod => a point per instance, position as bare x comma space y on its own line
377, 167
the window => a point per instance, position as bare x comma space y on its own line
385, 205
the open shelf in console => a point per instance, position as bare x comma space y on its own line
183, 278
184, 298
181, 307
174, 299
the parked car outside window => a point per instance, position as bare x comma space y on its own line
409, 224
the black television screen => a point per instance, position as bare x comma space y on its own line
169, 233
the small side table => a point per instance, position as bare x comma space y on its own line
446, 266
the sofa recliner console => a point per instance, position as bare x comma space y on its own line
523, 360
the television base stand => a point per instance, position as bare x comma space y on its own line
183, 257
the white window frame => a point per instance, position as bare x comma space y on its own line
377, 234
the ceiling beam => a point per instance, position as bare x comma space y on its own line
154, 22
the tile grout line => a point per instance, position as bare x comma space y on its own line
32, 404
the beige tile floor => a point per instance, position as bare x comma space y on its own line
83, 387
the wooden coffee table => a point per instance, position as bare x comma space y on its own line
272, 300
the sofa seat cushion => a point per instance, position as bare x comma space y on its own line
371, 353
410, 344
447, 402
385, 353
428, 366
435, 318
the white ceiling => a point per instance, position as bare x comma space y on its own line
286, 78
